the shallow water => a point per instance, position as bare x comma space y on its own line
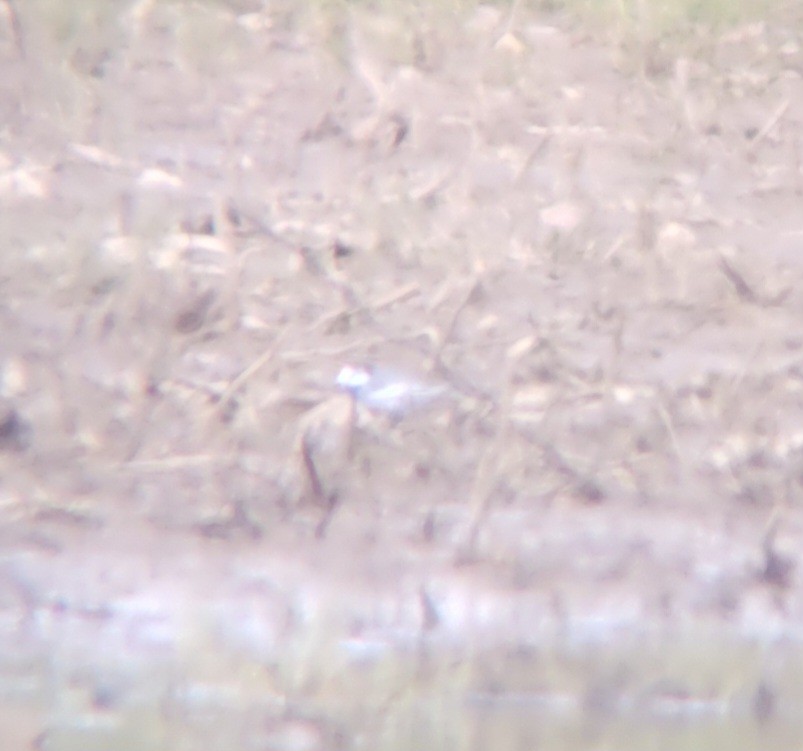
78, 682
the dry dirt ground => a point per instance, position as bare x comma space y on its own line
593, 237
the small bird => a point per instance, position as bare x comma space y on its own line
386, 391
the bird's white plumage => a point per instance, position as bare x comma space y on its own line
386, 391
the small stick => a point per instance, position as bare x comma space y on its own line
246, 375
773, 119
16, 27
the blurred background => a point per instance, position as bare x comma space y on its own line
577, 221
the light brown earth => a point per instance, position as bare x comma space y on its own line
594, 237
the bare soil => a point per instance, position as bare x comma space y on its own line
592, 238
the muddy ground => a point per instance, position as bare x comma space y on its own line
590, 235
